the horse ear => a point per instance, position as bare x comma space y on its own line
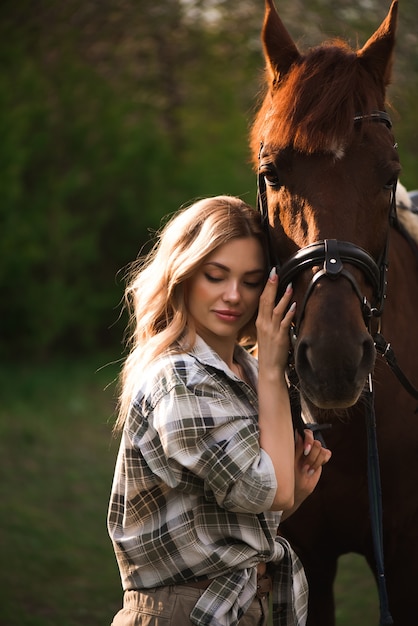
279, 49
378, 50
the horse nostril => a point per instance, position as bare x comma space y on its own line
332, 372
369, 354
328, 359
302, 356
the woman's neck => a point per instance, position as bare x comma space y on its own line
223, 346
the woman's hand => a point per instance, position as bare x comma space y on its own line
273, 323
310, 457
274, 417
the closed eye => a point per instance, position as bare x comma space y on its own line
213, 279
252, 284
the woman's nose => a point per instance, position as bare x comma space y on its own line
232, 293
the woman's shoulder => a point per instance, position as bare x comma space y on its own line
173, 377
196, 369
172, 368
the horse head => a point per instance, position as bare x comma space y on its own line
328, 167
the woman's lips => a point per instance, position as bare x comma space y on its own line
228, 316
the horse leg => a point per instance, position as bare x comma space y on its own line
319, 557
334, 519
321, 607
401, 584
397, 429
401, 556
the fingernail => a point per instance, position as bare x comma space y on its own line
307, 449
273, 274
311, 472
292, 306
289, 288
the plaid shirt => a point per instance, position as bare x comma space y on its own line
192, 491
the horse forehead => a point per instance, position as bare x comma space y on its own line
322, 201
332, 144
357, 159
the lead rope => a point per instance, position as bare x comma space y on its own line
375, 503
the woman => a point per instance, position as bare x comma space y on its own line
208, 460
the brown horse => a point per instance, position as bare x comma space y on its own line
326, 155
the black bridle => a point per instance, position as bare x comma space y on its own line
332, 255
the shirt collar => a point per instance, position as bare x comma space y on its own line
207, 356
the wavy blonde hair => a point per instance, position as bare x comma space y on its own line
155, 294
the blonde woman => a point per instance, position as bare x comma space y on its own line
208, 461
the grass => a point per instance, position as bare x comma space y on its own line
56, 463
355, 592
57, 457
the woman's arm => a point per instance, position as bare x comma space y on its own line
297, 469
275, 420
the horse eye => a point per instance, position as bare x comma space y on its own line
270, 175
392, 181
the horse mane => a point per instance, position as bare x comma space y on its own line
312, 107
407, 215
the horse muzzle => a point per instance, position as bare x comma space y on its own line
332, 369
333, 349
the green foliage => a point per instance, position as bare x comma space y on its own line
75, 202
92, 157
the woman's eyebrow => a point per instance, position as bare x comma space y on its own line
226, 268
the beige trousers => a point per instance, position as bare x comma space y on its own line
171, 606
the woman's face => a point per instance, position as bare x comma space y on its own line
223, 294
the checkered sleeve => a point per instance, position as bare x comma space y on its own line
203, 431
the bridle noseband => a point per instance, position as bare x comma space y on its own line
332, 254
